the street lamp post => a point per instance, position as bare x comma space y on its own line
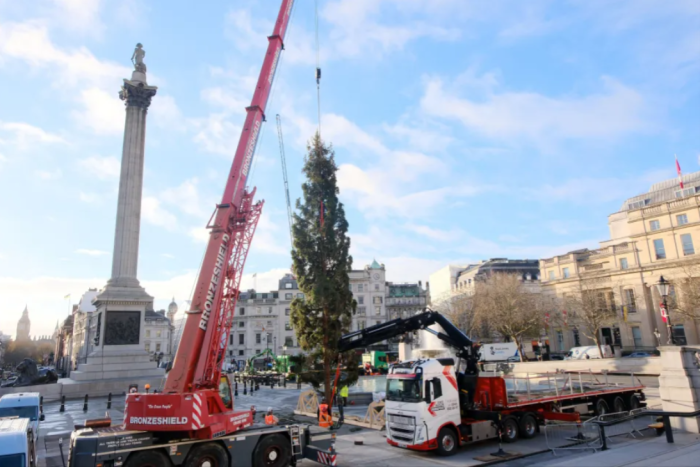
664, 287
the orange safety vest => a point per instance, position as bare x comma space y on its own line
324, 419
270, 420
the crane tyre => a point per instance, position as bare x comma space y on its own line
510, 429
273, 451
528, 426
207, 455
619, 405
634, 402
447, 442
147, 459
601, 407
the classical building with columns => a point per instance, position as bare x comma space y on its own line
653, 234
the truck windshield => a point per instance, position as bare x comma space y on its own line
21, 412
403, 390
13, 460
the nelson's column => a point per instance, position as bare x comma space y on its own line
119, 319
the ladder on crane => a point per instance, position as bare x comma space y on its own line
284, 175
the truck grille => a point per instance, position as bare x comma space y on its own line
401, 428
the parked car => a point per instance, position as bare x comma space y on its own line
588, 352
639, 355
556, 357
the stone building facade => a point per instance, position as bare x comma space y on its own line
654, 234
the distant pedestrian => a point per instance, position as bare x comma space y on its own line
344, 395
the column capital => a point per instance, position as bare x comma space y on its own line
137, 94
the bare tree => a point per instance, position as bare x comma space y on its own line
460, 308
508, 307
684, 298
591, 309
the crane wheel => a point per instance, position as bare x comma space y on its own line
273, 451
447, 442
634, 402
528, 426
511, 430
147, 459
207, 455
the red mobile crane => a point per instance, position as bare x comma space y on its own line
197, 397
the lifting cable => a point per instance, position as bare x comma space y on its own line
318, 72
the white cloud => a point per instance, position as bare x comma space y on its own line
155, 214
186, 198
165, 113
102, 112
49, 174
616, 111
217, 135
23, 135
199, 234
265, 280
167, 255
78, 15
90, 198
83, 251
103, 168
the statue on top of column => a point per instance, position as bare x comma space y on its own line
137, 58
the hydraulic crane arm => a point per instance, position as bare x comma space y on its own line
452, 336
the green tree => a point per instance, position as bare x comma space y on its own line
321, 263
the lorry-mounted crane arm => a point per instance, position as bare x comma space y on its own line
466, 348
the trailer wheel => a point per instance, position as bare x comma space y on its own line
510, 430
528, 426
447, 442
601, 407
207, 455
619, 405
147, 459
273, 451
634, 402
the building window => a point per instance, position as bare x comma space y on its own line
350, 287
242, 311
269, 310
241, 339
679, 334
360, 288
269, 324
361, 325
685, 192
269, 339
687, 242
289, 341
159, 333
629, 301
288, 296
376, 287
158, 347
241, 324
361, 310
240, 352
288, 285
682, 219
623, 263
637, 336
147, 347
258, 338
287, 326
286, 311
361, 300
230, 339
258, 310
148, 333
377, 300
659, 249
560, 341
378, 322
551, 275
566, 273
378, 310
300, 295
654, 225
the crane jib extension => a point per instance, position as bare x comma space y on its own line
191, 391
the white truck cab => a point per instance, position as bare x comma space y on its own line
17, 443
421, 400
23, 405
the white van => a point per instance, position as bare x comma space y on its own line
501, 352
588, 351
23, 405
17, 443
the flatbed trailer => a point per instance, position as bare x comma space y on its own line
275, 446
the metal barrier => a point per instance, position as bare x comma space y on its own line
571, 436
604, 426
620, 423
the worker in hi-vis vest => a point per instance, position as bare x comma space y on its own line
270, 418
344, 395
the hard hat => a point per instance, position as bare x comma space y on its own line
269, 410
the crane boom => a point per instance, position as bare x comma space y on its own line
452, 336
284, 175
191, 391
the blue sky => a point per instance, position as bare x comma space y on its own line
463, 130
